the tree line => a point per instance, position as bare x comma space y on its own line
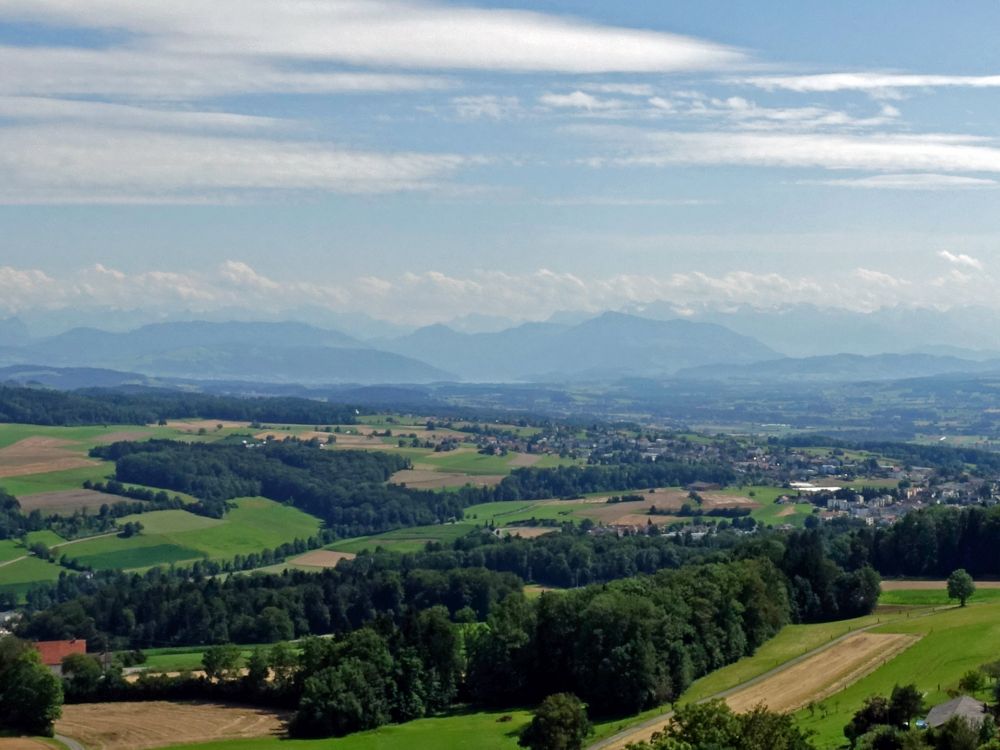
150, 405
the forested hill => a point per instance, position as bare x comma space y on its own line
349, 490
49, 407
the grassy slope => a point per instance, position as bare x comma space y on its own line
176, 535
19, 576
10, 549
481, 730
54, 481
405, 540
954, 640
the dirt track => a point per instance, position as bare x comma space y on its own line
132, 726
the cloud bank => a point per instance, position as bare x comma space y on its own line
434, 296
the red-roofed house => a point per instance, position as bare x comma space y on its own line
53, 652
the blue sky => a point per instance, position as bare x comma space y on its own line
420, 161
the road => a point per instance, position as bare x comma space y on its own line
69, 742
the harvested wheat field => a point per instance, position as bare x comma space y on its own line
39, 455
823, 674
321, 558
931, 585
66, 502
209, 425
435, 480
135, 726
527, 532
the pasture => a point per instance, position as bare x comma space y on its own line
18, 576
172, 536
484, 730
413, 539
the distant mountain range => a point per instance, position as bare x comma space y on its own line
609, 346
570, 348
809, 330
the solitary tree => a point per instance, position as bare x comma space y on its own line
560, 723
960, 586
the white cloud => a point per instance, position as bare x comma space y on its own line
917, 181
384, 33
626, 89
103, 114
153, 73
432, 296
961, 259
488, 106
579, 100
876, 152
866, 81
82, 164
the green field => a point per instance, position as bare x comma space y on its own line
10, 549
18, 577
175, 535
48, 538
469, 462
87, 437
486, 730
933, 598
413, 539
954, 640
54, 481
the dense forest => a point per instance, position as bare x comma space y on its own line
148, 406
623, 646
347, 489
195, 606
935, 541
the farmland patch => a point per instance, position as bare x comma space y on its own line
67, 502
823, 674
321, 558
132, 726
36, 455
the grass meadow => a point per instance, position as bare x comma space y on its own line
171, 536
484, 730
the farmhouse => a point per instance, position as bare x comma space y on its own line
53, 652
964, 706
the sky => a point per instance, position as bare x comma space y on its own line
420, 161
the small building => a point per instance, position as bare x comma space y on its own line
53, 652
964, 706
